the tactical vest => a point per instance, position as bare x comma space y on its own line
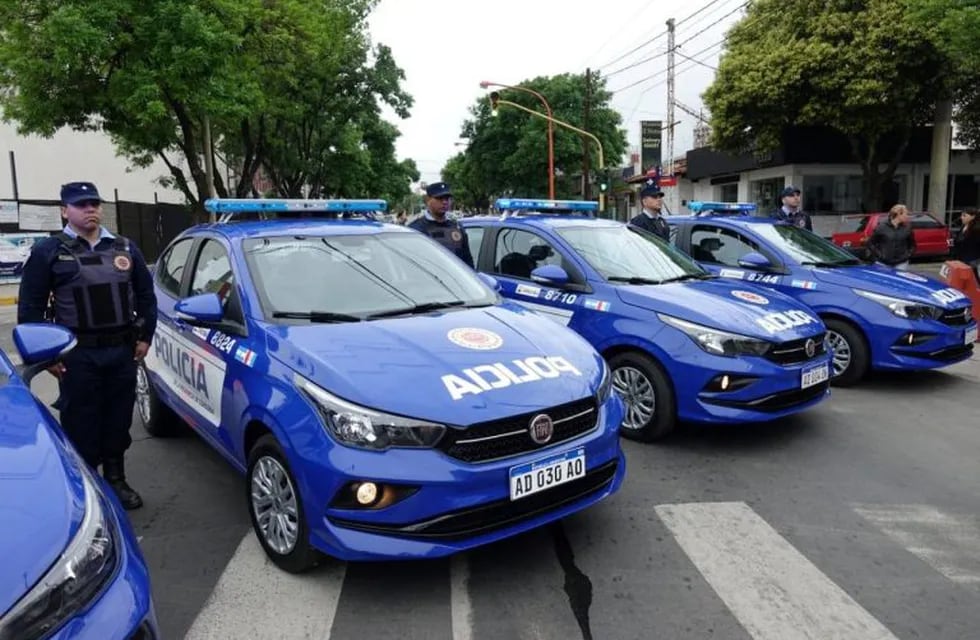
447, 234
95, 290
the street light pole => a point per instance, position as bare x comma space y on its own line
497, 100
551, 132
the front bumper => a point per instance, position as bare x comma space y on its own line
935, 344
124, 608
457, 505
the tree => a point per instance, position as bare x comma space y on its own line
508, 153
286, 86
861, 67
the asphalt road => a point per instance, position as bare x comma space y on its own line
857, 519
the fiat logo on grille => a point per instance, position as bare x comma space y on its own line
541, 428
811, 347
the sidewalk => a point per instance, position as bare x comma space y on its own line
8, 295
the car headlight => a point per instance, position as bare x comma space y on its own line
903, 308
357, 426
74, 579
605, 385
717, 342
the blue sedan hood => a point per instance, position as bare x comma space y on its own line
891, 282
41, 494
739, 308
458, 367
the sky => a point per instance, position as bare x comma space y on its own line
446, 47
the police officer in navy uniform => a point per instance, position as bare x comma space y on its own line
651, 218
434, 223
790, 209
97, 284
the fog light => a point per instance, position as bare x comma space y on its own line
367, 493
724, 383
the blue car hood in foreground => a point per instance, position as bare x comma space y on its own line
739, 308
458, 367
41, 493
891, 282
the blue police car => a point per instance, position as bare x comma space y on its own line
71, 567
381, 399
682, 344
877, 317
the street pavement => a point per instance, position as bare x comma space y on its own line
857, 519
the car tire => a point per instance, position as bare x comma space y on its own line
159, 420
639, 379
858, 355
276, 508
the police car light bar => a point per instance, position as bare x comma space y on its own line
722, 207
510, 204
277, 205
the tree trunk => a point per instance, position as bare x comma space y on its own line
874, 177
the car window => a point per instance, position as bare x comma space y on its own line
358, 274
520, 252
475, 237
171, 266
925, 221
715, 245
861, 224
213, 273
620, 252
806, 247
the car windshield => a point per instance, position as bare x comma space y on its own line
805, 247
624, 254
348, 278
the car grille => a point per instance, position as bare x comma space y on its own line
496, 439
494, 515
776, 401
794, 351
946, 354
957, 318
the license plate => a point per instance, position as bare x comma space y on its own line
528, 479
970, 336
815, 375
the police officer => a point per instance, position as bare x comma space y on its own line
98, 286
434, 223
791, 211
651, 218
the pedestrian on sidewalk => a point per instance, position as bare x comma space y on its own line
98, 285
892, 242
966, 245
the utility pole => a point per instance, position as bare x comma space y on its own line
669, 164
942, 138
586, 164
208, 162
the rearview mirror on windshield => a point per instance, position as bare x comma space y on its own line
754, 260
550, 274
205, 308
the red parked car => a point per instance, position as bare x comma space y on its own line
932, 237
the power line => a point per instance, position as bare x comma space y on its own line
631, 52
705, 7
664, 71
719, 20
703, 64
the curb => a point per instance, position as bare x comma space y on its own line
8, 301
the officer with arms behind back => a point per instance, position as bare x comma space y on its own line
100, 288
791, 210
651, 219
434, 223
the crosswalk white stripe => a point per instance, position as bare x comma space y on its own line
949, 543
459, 597
770, 587
256, 599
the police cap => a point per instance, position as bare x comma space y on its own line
74, 192
438, 190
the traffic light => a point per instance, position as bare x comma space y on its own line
603, 184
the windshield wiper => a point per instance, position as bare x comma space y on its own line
850, 262
418, 308
317, 316
689, 276
633, 280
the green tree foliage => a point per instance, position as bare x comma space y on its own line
290, 88
861, 67
507, 154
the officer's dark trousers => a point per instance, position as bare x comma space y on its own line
98, 392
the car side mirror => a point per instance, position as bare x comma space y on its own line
40, 345
203, 309
550, 274
754, 260
489, 280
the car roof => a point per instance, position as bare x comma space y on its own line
545, 220
734, 220
318, 227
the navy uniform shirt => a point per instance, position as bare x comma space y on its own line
448, 233
37, 282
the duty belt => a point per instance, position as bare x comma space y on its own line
115, 338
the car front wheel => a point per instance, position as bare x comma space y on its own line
159, 420
647, 393
851, 354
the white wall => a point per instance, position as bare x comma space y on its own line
44, 164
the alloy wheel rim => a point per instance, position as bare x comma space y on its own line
842, 352
143, 395
638, 393
274, 505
